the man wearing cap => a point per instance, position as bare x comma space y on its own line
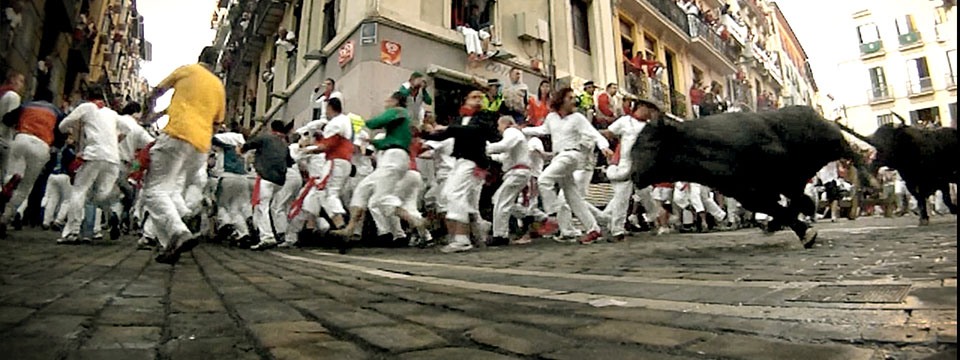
415, 89
493, 98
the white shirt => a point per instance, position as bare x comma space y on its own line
136, 137
312, 127
627, 128
100, 126
828, 173
321, 102
568, 133
537, 158
339, 125
9, 102
443, 160
514, 148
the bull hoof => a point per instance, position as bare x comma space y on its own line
924, 222
809, 238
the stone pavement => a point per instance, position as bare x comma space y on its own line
872, 289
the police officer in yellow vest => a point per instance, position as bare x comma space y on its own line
493, 97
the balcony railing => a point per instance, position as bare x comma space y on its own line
951, 81
671, 11
869, 49
678, 104
703, 31
909, 39
879, 94
920, 86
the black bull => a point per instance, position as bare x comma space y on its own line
925, 159
752, 157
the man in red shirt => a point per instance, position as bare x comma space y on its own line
609, 107
696, 97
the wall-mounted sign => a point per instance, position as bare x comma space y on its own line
345, 53
389, 52
368, 34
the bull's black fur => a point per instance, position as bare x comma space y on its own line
753, 157
924, 158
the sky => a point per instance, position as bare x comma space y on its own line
178, 30
823, 28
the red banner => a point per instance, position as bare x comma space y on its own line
390, 52
345, 53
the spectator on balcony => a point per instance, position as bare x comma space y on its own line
539, 107
476, 35
609, 107
712, 102
287, 41
652, 66
697, 92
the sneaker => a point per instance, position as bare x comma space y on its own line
86, 240
455, 247
547, 227
522, 241
565, 239
67, 240
663, 230
634, 220
98, 236
264, 245
114, 224
287, 244
591, 238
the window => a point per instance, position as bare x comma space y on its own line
884, 119
581, 26
331, 11
476, 14
650, 47
878, 83
905, 25
919, 75
868, 33
927, 117
952, 62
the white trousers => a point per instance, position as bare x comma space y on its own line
56, 199
462, 192
618, 206
392, 165
559, 176
332, 203
285, 196
505, 199
582, 178
98, 177
169, 159
473, 39
27, 157
409, 190
262, 212
233, 204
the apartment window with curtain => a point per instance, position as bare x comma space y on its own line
918, 74
868, 33
581, 25
878, 84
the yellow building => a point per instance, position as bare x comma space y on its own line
117, 49
906, 65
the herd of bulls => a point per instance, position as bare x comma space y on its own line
757, 157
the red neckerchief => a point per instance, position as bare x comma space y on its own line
467, 111
99, 103
5, 88
327, 94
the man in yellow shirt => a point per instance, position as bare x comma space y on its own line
181, 150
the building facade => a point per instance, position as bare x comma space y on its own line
274, 54
906, 65
64, 45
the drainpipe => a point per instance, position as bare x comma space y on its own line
552, 66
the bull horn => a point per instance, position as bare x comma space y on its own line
902, 120
853, 133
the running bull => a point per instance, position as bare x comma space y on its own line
753, 157
925, 159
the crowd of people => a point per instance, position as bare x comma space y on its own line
415, 178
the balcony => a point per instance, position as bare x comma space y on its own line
678, 104
671, 11
708, 45
871, 49
920, 87
910, 40
951, 81
880, 94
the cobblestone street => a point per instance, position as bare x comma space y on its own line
871, 289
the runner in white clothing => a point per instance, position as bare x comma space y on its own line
568, 131
516, 176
